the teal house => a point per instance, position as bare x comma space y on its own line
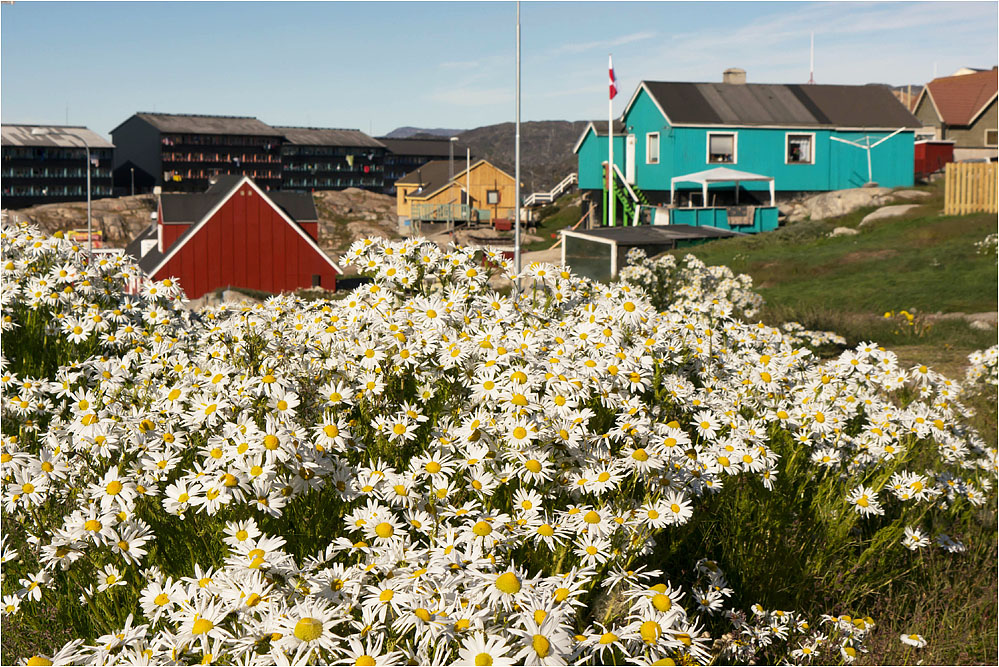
675, 143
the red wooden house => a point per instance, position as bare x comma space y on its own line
236, 235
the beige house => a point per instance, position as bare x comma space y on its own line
479, 193
962, 109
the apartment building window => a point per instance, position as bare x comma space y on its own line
652, 148
992, 137
799, 149
722, 147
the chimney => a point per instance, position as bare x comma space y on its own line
734, 75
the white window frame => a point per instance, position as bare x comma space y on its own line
996, 143
648, 143
735, 147
787, 143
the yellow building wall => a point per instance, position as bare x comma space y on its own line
484, 177
402, 205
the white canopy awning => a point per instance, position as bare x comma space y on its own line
719, 175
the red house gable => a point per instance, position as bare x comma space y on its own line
245, 241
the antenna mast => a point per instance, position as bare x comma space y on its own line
811, 61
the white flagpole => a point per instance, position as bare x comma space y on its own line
610, 143
516, 187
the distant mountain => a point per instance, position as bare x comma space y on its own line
408, 132
546, 155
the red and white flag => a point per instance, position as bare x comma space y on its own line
613, 81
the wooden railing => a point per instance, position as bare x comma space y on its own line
556, 192
970, 188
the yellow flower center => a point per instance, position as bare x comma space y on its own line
384, 530
650, 631
308, 629
201, 626
508, 583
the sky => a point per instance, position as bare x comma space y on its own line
376, 66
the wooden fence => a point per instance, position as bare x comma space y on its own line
970, 188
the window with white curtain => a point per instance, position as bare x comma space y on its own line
800, 149
721, 147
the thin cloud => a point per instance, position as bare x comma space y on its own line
604, 44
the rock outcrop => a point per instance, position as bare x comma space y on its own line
119, 219
836, 203
351, 214
886, 212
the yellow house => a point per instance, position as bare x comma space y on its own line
429, 195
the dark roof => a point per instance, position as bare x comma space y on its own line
191, 208
299, 206
153, 257
75, 136
187, 208
200, 124
323, 136
871, 106
600, 127
432, 176
224, 184
422, 147
655, 234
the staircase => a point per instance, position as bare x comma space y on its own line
538, 198
630, 202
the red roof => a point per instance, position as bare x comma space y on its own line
959, 99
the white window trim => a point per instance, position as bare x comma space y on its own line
986, 137
787, 139
735, 147
648, 139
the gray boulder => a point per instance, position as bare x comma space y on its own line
886, 212
842, 202
911, 195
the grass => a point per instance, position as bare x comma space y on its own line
924, 263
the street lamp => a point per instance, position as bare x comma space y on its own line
450, 163
132, 171
38, 131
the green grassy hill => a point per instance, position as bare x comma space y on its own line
924, 263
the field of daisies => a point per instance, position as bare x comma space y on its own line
428, 471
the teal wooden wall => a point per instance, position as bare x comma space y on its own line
592, 153
764, 219
683, 150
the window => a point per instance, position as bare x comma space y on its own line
652, 148
799, 149
991, 137
492, 196
722, 148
